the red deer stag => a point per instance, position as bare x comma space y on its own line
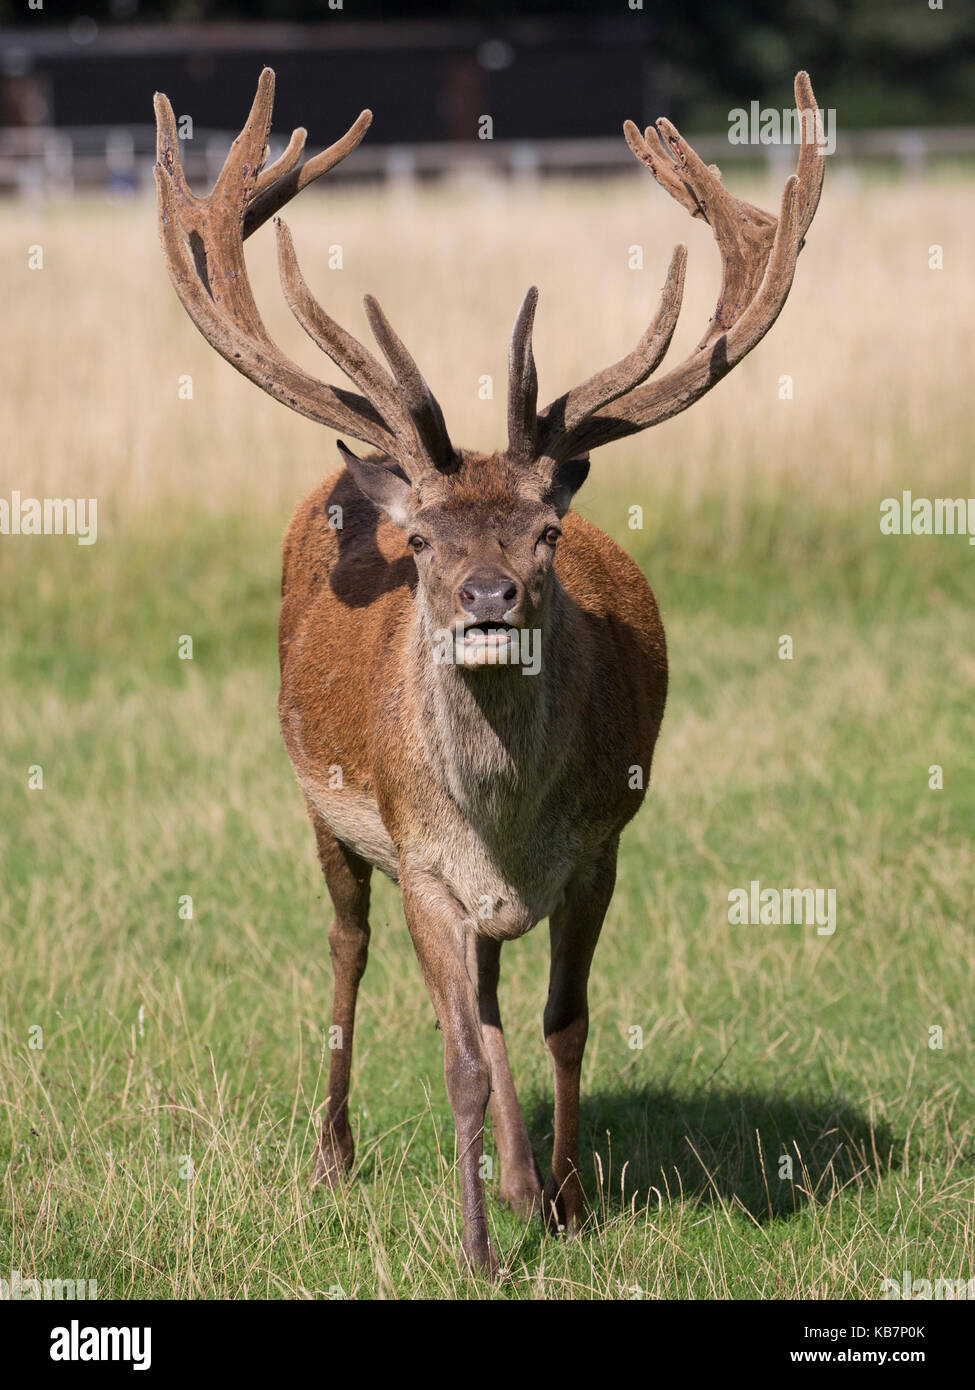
486, 668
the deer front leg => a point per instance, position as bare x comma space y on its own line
521, 1182
441, 939
347, 877
574, 931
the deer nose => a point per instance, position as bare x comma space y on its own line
487, 595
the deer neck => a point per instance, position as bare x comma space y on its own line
488, 733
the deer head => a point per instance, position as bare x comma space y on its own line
483, 529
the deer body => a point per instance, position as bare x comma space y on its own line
492, 791
497, 783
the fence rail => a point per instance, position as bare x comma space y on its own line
45, 161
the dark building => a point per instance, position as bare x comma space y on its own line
425, 81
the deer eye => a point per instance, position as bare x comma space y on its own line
417, 543
551, 536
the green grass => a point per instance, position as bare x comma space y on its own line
164, 1037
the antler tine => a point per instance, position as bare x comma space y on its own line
167, 146
202, 242
284, 163
776, 282
647, 149
350, 355
237, 180
421, 403
272, 193
758, 255
523, 381
564, 415
812, 166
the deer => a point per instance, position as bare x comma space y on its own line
492, 788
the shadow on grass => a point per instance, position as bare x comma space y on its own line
719, 1146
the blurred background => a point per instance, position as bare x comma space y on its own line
557, 76
426, 201
755, 514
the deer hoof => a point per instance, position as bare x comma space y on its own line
564, 1208
523, 1198
482, 1261
331, 1167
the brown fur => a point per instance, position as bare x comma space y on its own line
495, 790
347, 601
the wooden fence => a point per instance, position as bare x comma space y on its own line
42, 161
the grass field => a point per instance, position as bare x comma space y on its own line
159, 1140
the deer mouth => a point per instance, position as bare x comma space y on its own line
487, 644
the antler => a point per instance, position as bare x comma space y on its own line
202, 242
758, 256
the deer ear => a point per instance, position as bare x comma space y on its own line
567, 479
384, 484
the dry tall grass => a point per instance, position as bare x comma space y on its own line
878, 345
